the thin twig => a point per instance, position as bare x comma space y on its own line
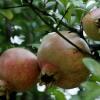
61, 22
62, 18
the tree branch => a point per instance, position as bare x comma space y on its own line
62, 18
44, 13
45, 21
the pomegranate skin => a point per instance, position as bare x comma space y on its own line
60, 62
19, 69
91, 24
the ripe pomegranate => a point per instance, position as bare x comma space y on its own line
60, 62
91, 24
18, 69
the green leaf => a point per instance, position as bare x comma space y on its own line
75, 97
79, 14
2, 38
93, 66
7, 13
89, 86
65, 2
50, 4
35, 45
57, 93
85, 0
91, 90
41, 28
69, 14
89, 6
77, 3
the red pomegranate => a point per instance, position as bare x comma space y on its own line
19, 69
60, 62
91, 24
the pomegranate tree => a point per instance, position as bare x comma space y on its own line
18, 69
60, 62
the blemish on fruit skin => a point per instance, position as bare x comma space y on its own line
75, 51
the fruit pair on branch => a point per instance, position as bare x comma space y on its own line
58, 63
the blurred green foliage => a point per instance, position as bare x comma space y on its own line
19, 21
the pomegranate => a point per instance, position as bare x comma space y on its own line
60, 62
18, 69
91, 24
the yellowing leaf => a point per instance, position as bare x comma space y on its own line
7, 13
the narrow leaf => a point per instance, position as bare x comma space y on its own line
93, 66
57, 94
